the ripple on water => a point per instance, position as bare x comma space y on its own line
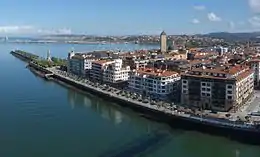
36, 108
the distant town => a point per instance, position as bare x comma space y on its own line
189, 41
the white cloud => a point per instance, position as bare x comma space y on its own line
15, 29
53, 31
213, 17
195, 21
254, 5
28, 29
254, 21
199, 7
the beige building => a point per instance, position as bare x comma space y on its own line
163, 42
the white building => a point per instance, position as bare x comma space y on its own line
154, 83
255, 66
110, 71
79, 63
221, 50
116, 72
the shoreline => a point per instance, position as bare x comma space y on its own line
175, 120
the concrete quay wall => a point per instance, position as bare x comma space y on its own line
153, 112
175, 121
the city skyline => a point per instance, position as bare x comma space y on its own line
128, 18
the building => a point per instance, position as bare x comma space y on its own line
217, 88
255, 66
79, 63
221, 50
48, 56
98, 67
116, 72
163, 42
156, 83
109, 71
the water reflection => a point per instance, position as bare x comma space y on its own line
102, 107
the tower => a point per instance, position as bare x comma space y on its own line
163, 42
49, 55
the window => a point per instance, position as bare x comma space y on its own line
208, 84
203, 84
203, 89
208, 89
184, 86
229, 86
229, 92
203, 94
208, 94
184, 81
229, 97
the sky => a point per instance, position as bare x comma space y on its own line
127, 17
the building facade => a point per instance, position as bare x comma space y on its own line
219, 88
116, 72
255, 66
109, 71
155, 83
163, 42
79, 64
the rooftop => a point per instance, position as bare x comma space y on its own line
156, 72
163, 33
236, 72
101, 62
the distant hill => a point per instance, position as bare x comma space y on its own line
235, 36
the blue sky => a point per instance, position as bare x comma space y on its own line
119, 17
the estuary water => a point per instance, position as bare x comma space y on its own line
44, 119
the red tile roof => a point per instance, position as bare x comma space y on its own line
156, 72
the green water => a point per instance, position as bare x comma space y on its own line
44, 119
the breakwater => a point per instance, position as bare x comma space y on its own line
24, 56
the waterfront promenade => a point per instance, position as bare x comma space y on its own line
165, 108
121, 94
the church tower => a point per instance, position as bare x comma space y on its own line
163, 42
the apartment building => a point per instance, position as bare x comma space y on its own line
255, 66
109, 71
116, 72
217, 88
156, 83
79, 64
